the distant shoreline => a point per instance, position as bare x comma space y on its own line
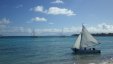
98, 34
31, 36
51, 36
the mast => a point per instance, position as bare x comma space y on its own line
33, 32
81, 35
62, 33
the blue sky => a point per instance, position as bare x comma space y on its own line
51, 17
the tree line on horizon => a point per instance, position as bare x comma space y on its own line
97, 34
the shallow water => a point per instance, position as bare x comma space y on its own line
50, 50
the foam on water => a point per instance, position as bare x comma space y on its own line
109, 61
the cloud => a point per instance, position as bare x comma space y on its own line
19, 6
49, 30
39, 9
60, 11
4, 24
16, 31
58, 2
54, 11
4, 21
100, 28
39, 19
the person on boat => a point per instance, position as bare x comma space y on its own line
85, 48
93, 48
89, 48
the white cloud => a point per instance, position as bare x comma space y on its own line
49, 30
39, 9
60, 11
54, 11
17, 29
3, 24
58, 2
105, 26
100, 28
4, 21
39, 19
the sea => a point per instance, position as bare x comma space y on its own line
51, 50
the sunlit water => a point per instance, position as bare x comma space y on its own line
51, 50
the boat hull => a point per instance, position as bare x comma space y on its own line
88, 51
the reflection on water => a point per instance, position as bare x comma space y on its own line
87, 59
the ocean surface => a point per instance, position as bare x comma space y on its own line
51, 50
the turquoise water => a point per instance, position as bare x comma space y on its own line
50, 50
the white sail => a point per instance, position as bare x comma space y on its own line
77, 43
87, 39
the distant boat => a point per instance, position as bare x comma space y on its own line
62, 34
33, 34
85, 42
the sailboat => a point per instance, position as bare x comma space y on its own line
33, 34
62, 33
85, 43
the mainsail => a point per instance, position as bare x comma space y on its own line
85, 39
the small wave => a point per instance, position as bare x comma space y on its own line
110, 61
